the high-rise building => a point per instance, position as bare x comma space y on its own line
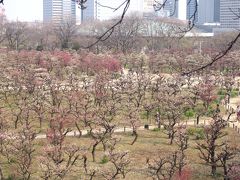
216, 10
90, 11
171, 9
103, 10
208, 11
59, 11
228, 11
192, 10
181, 9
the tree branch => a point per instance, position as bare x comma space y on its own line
217, 57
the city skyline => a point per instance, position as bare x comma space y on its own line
29, 10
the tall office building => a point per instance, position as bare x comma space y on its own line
59, 11
103, 10
171, 9
90, 11
181, 9
192, 10
216, 10
228, 11
209, 11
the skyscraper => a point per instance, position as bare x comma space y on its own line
59, 11
171, 9
228, 11
192, 10
209, 11
216, 10
89, 13
181, 9
103, 10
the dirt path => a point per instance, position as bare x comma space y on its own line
235, 125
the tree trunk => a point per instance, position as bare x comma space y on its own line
171, 139
198, 119
79, 130
159, 124
104, 146
93, 151
225, 172
40, 121
135, 138
214, 169
16, 123
1, 174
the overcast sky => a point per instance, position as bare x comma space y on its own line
24, 10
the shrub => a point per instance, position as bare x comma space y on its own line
185, 175
198, 133
190, 131
221, 92
39, 48
210, 111
189, 113
219, 99
104, 159
234, 94
156, 129
143, 115
76, 46
11, 177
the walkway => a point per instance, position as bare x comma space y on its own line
235, 125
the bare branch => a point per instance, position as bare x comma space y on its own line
114, 9
235, 14
217, 57
110, 30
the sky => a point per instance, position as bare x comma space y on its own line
24, 10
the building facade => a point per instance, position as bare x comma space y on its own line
216, 10
170, 9
181, 9
103, 10
228, 11
59, 11
208, 11
192, 10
